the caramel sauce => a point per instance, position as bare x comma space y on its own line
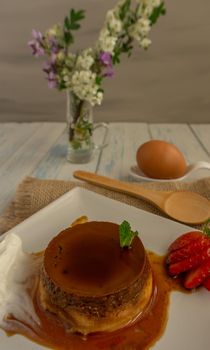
96, 266
139, 336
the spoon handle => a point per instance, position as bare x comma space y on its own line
198, 165
155, 197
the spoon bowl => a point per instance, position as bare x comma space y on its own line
184, 206
138, 175
181, 205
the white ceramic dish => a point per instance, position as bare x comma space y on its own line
189, 315
138, 175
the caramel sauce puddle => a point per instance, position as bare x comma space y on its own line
141, 335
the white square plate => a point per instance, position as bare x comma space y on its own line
189, 315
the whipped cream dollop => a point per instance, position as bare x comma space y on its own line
18, 280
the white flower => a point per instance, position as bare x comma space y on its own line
154, 3
119, 4
114, 24
147, 6
85, 60
106, 42
60, 56
70, 61
83, 84
55, 31
145, 43
133, 32
140, 29
97, 99
66, 77
71, 57
143, 26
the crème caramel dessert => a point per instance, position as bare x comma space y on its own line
92, 284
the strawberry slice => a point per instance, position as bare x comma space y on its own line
188, 250
189, 263
206, 283
185, 240
197, 276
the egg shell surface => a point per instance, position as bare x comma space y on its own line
160, 160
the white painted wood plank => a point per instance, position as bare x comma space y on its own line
202, 132
5, 129
6, 132
67, 169
51, 163
12, 137
120, 154
182, 136
54, 164
26, 159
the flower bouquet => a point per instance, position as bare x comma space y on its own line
82, 73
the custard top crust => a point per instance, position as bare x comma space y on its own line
87, 259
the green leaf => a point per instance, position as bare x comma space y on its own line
99, 80
126, 235
206, 228
67, 23
126, 47
79, 15
76, 16
157, 12
76, 144
68, 38
116, 56
71, 23
116, 59
62, 85
71, 14
74, 26
124, 9
129, 53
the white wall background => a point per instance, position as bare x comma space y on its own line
170, 82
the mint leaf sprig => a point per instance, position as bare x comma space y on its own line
126, 234
206, 228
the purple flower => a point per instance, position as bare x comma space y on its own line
36, 44
50, 69
109, 72
37, 35
106, 60
54, 46
47, 67
50, 65
52, 81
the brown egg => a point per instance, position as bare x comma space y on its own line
160, 160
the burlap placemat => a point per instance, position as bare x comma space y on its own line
33, 194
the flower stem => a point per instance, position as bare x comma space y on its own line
73, 113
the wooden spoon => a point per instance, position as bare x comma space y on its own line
184, 206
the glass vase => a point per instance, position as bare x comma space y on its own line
80, 129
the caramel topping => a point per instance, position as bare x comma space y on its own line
87, 259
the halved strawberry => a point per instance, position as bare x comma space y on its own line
189, 263
188, 250
185, 240
197, 276
206, 283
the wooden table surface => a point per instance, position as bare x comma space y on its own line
38, 150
